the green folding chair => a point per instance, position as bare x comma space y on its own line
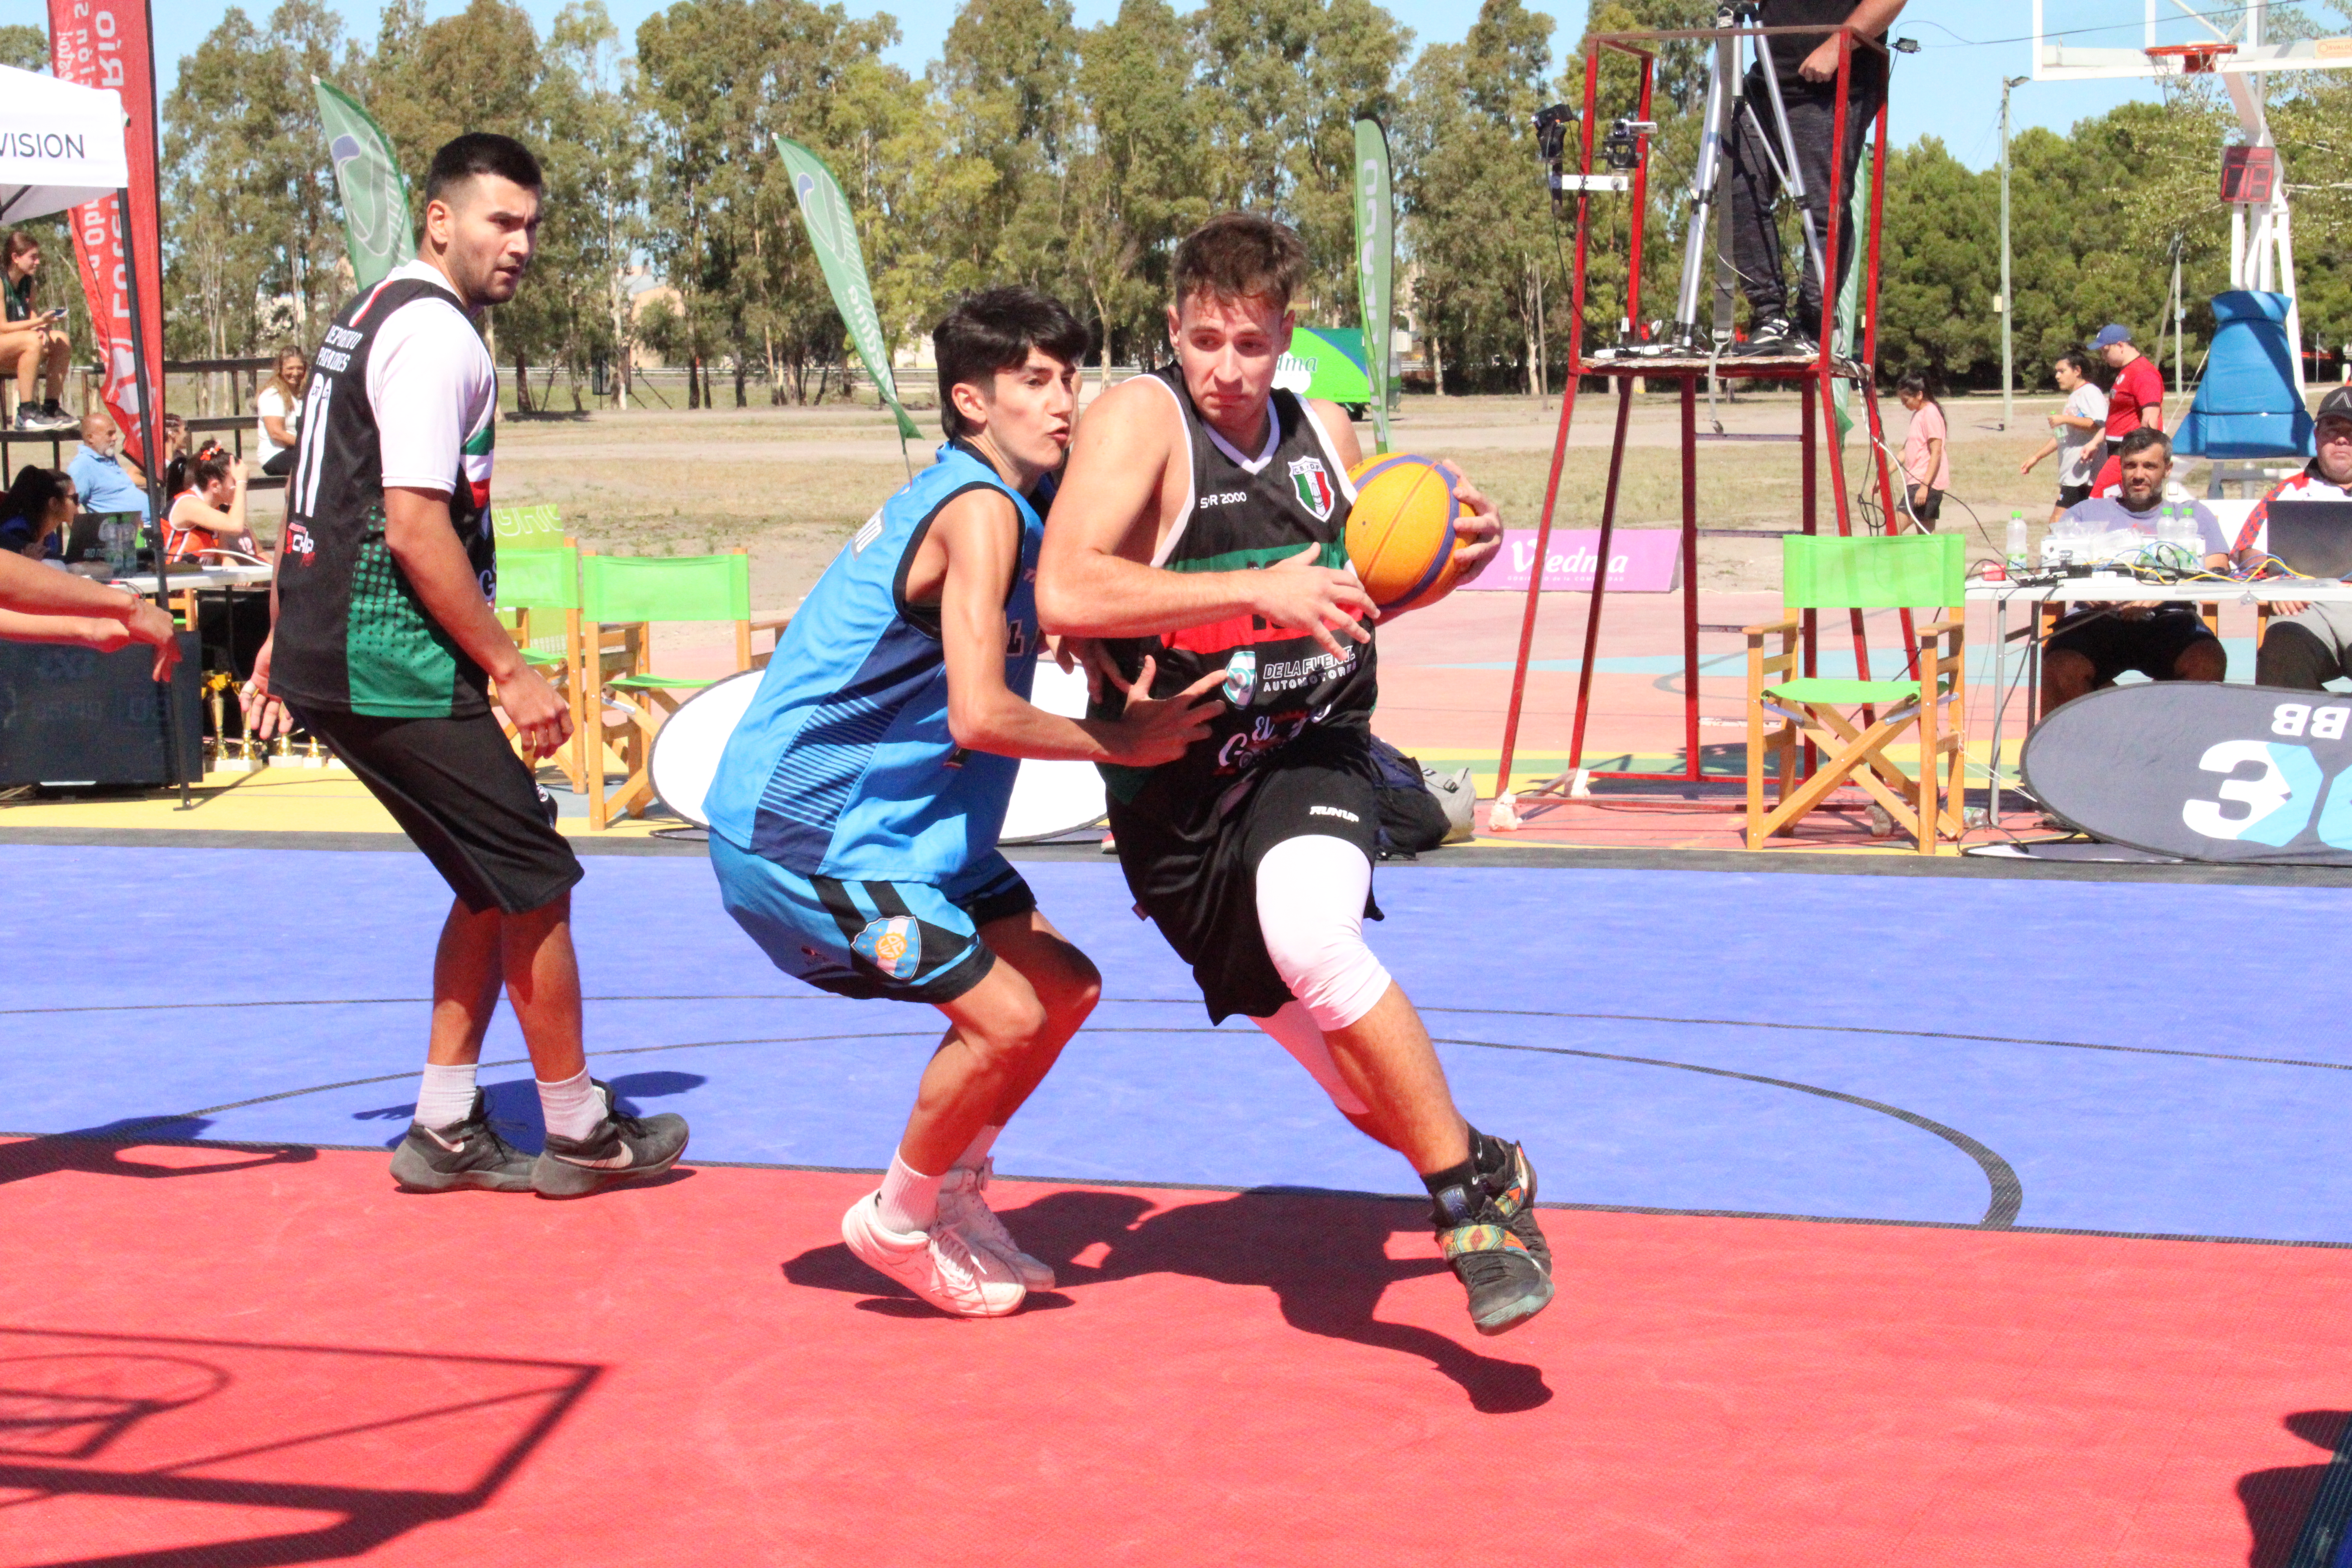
624, 597
1911, 571
539, 599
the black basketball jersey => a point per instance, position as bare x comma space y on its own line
352, 634
1248, 512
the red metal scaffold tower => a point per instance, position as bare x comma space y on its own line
1639, 354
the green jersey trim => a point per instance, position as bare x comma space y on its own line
1335, 556
402, 664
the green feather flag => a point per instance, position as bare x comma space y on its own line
1375, 264
378, 226
834, 232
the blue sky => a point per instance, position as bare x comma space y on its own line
1950, 89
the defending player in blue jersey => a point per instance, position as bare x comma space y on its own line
855, 813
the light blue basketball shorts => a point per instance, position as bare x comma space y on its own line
910, 942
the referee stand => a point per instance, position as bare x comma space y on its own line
1684, 354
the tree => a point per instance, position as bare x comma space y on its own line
1134, 188
1282, 83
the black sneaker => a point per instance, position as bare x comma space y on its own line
468, 1154
622, 1148
1775, 338
1505, 1283
1512, 1186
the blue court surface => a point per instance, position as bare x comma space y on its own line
2134, 1058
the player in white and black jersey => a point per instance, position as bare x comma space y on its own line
385, 646
1202, 522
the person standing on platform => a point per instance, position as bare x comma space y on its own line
2134, 401
2076, 432
383, 645
1806, 69
1200, 532
1926, 451
2313, 645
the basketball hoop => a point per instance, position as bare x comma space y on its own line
2196, 60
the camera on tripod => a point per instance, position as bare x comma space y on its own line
1622, 148
1551, 145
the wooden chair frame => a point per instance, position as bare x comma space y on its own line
1928, 805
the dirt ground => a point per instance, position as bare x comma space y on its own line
791, 483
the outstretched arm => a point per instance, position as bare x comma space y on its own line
46, 606
970, 553
1095, 577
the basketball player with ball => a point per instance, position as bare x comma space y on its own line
1207, 524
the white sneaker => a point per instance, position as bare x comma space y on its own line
938, 1265
963, 1204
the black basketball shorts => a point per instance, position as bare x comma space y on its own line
1191, 863
2114, 644
463, 796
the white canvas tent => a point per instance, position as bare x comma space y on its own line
60, 144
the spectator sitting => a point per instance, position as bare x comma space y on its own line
38, 505
2135, 400
2075, 432
280, 407
208, 517
2314, 644
109, 481
2162, 640
1926, 451
30, 340
175, 453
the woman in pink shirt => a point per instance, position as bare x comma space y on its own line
1926, 450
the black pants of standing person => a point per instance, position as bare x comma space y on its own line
1755, 240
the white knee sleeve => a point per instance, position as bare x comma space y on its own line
1310, 911
1297, 1033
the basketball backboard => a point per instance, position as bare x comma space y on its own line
2079, 40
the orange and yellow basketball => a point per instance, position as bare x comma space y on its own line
1401, 529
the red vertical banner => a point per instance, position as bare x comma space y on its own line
110, 44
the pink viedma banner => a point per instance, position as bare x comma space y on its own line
1641, 561
107, 44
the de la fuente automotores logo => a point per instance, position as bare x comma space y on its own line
2273, 788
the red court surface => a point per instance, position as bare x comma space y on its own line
287, 1362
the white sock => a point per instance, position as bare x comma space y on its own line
446, 1095
910, 1199
572, 1107
975, 1156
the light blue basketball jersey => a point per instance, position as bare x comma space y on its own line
844, 765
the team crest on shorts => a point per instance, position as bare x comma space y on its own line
1241, 677
1314, 487
892, 945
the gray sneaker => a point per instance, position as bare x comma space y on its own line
621, 1148
40, 420
468, 1154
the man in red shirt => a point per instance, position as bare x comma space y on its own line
2136, 399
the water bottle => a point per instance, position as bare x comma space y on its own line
2016, 549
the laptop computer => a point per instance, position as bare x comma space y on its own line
2312, 537
81, 538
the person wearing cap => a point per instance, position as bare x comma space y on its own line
2313, 644
2135, 400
